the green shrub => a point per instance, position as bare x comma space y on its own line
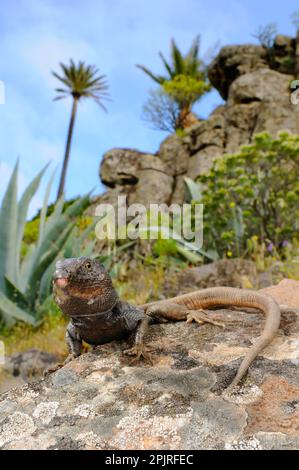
186, 90
165, 248
254, 192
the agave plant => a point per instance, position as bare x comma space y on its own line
189, 250
25, 283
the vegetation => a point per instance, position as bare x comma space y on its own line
253, 193
250, 209
185, 83
161, 111
25, 281
266, 34
80, 81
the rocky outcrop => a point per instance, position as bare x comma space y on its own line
236, 272
24, 367
255, 84
100, 401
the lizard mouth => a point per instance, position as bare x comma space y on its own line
61, 282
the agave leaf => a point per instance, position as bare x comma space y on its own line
195, 189
46, 258
25, 268
49, 223
55, 225
8, 230
15, 295
189, 255
22, 213
76, 241
46, 282
53, 238
88, 249
71, 248
11, 310
78, 206
43, 213
210, 254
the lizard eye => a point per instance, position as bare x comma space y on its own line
88, 265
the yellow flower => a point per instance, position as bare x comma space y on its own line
232, 204
229, 254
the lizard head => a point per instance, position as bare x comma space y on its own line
83, 286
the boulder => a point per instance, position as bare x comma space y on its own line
125, 168
255, 82
173, 152
232, 62
119, 166
25, 367
227, 272
100, 401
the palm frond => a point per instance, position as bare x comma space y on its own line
82, 81
180, 64
177, 59
157, 78
166, 65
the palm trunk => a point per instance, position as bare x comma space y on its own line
186, 118
67, 149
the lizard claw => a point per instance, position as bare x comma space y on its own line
53, 369
58, 366
138, 351
200, 317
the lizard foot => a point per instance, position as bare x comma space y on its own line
50, 370
138, 351
200, 317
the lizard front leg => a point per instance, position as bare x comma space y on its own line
74, 344
138, 349
177, 312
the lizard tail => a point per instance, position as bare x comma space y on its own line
228, 296
264, 303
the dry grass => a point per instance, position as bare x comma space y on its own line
47, 337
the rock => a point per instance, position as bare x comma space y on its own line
283, 42
100, 401
29, 364
155, 187
233, 61
282, 54
24, 367
174, 154
255, 86
119, 166
255, 82
124, 167
202, 161
286, 292
233, 273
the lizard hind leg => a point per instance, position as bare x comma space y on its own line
200, 317
176, 312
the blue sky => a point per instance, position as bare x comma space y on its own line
114, 35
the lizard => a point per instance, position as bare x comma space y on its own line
84, 291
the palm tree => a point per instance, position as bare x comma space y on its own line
189, 67
80, 81
190, 64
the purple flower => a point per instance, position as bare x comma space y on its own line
270, 247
